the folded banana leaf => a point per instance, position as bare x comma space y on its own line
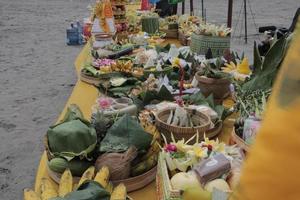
120, 91
163, 95
125, 132
72, 138
73, 113
165, 49
89, 190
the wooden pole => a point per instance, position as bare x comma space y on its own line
202, 8
229, 15
246, 31
192, 7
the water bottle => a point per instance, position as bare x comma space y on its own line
72, 35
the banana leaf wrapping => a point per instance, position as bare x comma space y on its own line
73, 112
89, 190
119, 164
72, 137
125, 132
162, 95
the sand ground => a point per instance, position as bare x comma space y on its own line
37, 73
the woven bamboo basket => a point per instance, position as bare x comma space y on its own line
163, 183
182, 132
218, 87
170, 33
138, 182
164, 189
96, 80
201, 43
183, 38
132, 183
89, 79
235, 139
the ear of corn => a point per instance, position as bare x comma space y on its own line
66, 183
109, 188
102, 176
87, 175
119, 193
75, 186
30, 195
47, 189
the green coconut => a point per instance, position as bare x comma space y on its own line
72, 138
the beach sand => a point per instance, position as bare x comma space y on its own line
37, 72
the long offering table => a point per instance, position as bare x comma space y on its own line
84, 95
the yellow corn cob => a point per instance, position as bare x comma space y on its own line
75, 186
119, 193
65, 184
30, 195
109, 188
154, 149
87, 175
47, 189
102, 176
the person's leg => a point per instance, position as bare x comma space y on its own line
174, 9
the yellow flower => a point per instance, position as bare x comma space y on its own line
244, 67
176, 62
180, 145
220, 147
209, 142
217, 146
199, 152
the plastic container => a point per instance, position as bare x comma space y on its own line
72, 35
87, 28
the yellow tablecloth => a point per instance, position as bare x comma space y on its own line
84, 95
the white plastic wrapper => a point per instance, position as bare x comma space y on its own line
173, 52
202, 108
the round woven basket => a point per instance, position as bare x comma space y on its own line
170, 33
182, 132
235, 139
89, 79
47, 149
131, 184
218, 87
138, 182
96, 80
201, 43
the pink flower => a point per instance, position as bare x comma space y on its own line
104, 103
179, 101
98, 63
170, 148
